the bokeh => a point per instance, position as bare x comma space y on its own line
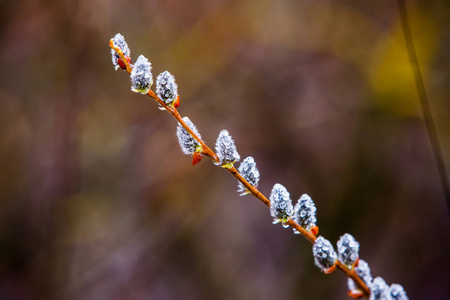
98, 201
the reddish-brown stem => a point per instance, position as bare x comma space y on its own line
249, 187
253, 190
122, 56
172, 110
352, 274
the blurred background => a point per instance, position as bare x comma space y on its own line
98, 201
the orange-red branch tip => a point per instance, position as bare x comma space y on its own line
177, 102
330, 270
315, 230
356, 294
122, 64
196, 158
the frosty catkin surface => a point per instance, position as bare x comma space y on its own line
188, 144
348, 250
281, 208
119, 42
324, 254
305, 212
166, 87
250, 173
141, 76
226, 149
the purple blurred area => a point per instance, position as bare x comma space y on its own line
98, 201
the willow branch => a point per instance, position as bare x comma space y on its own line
235, 173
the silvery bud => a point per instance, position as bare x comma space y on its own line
305, 212
379, 290
226, 150
188, 144
250, 172
281, 208
363, 271
397, 292
166, 88
119, 42
324, 254
348, 250
141, 76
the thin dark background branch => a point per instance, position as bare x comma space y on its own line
423, 97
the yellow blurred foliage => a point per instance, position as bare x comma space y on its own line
392, 78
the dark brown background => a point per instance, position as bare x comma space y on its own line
98, 202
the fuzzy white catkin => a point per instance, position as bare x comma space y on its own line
250, 172
348, 250
166, 87
226, 149
324, 254
305, 213
281, 208
119, 42
188, 144
379, 290
363, 271
397, 292
141, 76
